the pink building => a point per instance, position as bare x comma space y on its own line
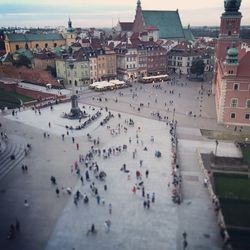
232, 71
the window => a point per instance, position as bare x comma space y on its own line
248, 103
247, 116
236, 86
46, 45
17, 47
233, 115
55, 44
234, 103
37, 45
248, 87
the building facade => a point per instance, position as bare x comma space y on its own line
73, 71
232, 75
15, 42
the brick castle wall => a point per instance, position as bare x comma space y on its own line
27, 74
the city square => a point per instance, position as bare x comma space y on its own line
130, 136
57, 223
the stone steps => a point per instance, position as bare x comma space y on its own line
6, 164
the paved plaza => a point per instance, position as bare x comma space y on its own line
51, 222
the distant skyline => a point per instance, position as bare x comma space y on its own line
101, 13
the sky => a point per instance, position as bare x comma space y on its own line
105, 13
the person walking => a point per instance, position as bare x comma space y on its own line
105, 187
153, 197
146, 173
110, 208
148, 204
57, 192
141, 161
134, 189
77, 146
143, 192
73, 139
82, 181
98, 198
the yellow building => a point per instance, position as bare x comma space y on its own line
106, 64
73, 71
14, 42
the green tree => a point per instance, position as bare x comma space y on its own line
21, 60
197, 67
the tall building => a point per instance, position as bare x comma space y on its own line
232, 74
156, 24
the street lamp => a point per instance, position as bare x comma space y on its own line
216, 146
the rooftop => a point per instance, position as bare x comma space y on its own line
168, 22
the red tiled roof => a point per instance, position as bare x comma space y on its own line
135, 35
182, 46
243, 69
96, 44
151, 27
84, 40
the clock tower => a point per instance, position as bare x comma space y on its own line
229, 28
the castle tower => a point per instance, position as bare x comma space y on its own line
229, 28
229, 32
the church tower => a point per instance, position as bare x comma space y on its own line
70, 34
229, 28
138, 25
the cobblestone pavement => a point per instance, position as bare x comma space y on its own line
56, 223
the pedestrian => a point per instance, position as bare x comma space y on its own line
105, 187
145, 204
57, 192
153, 197
73, 139
63, 137
141, 161
17, 225
98, 198
146, 173
26, 204
107, 225
134, 189
49, 124
110, 208
148, 204
77, 146
143, 192
82, 181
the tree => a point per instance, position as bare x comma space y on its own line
21, 60
197, 67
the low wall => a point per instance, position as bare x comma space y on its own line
23, 73
35, 94
213, 197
